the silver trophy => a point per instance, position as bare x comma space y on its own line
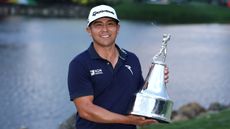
153, 100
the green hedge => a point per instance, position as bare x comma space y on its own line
209, 121
172, 13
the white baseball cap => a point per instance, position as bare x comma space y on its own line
101, 11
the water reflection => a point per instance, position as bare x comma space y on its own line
35, 54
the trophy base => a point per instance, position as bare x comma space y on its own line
152, 108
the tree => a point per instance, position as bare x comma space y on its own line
95, 2
53, 1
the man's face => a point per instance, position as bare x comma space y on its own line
104, 31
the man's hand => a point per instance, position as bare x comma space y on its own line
166, 74
140, 121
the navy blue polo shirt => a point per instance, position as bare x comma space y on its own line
112, 88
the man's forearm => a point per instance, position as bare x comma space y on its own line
98, 114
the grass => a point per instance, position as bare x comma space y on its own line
209, 121
172, 13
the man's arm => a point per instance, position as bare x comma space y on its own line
92, 112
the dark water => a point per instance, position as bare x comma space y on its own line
34, 57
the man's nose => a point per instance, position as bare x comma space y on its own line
105, 27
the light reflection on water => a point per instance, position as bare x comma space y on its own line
35, 54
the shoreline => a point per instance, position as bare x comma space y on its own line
62, 11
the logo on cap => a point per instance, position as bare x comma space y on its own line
102, 11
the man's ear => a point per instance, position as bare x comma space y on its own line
88, 30
118, 25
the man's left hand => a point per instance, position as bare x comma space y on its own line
166, 74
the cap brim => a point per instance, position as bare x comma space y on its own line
89, 23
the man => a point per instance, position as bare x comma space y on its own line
104, 79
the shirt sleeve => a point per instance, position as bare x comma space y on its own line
141, 78
141, 82
79, 83
139, 71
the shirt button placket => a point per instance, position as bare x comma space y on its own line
110, 67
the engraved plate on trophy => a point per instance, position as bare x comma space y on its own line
153, 101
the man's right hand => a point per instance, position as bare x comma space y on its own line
140, 121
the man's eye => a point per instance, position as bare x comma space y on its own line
111, 24
98, 24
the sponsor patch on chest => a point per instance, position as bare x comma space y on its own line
96, 72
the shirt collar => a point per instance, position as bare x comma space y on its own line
94, 55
